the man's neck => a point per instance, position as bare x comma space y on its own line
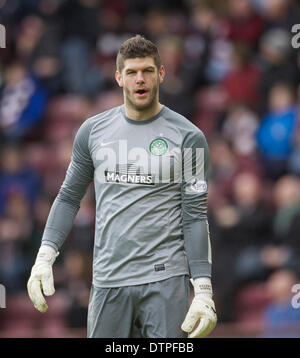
144, 114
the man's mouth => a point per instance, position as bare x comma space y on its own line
141, 92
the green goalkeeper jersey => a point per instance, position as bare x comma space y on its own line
150, 179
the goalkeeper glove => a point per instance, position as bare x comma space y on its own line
41, 277
202, 308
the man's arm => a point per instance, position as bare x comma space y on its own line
61, 217
67, 203
196, 234
194, 204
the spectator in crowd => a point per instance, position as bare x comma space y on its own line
287, 201
78, 272
239, 130
36, 38
80, 25
22, 102
220, 51
156, 23
15, 228
277, 63
278, 247
294, 159
224, 167
275, 133
176, 91
243, 24
253, 214
279, 13
17, 177
281, 318
246, 72
241, 228
200, 37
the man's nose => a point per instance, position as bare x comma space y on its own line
140, 77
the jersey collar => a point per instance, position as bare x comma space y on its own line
143, 121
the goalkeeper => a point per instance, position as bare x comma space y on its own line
149, 165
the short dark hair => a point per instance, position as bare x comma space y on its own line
137, 47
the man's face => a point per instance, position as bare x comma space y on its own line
140, 80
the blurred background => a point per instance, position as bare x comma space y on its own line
231, 70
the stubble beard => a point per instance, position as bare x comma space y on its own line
141, 107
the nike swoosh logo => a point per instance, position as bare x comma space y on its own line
106, 143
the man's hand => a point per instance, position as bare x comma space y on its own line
41, 278
202, 308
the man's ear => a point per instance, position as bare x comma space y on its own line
118, 78
161, 73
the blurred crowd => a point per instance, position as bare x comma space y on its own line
231, 70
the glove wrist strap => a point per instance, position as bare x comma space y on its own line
202, 287
46, 254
